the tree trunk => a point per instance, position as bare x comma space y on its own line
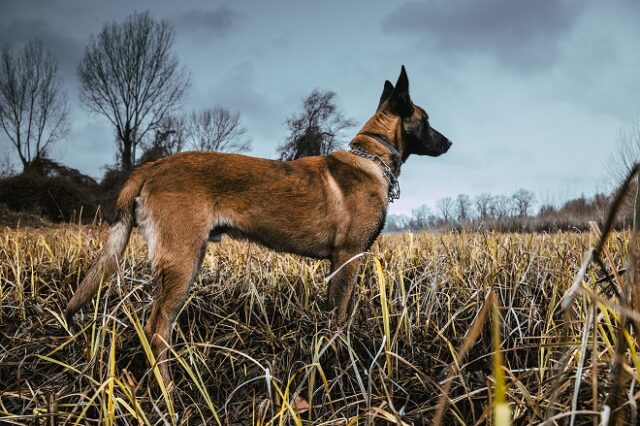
25, 166
127, 153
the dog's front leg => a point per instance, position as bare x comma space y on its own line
341, 285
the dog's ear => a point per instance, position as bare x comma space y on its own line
400, 101
386, 93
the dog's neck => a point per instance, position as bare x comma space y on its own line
379, 146
397, 157
389, 158
381, 136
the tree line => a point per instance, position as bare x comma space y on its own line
513, 212
129, 75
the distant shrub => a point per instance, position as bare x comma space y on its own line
56, 198
6, 168
53, 191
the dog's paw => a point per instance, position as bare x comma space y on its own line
71, 323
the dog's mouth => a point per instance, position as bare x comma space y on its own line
442, 147
441, 143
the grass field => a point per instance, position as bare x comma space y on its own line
447, 328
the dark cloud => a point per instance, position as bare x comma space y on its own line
520, 34
215, 22
67, 50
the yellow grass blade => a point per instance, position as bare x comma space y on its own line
385, 315
133, 318
501, 410
197, 380
111, 409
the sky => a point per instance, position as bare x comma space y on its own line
533, 94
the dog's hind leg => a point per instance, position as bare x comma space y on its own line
173, 276
341, 286
176, 261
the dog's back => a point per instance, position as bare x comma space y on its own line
329, 207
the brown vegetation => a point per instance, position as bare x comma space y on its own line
252, 344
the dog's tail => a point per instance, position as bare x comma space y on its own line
112, 252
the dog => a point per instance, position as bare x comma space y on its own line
325, 207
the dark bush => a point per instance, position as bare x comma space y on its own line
52, 191
57, 198
110, 186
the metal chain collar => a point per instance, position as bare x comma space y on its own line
394, 186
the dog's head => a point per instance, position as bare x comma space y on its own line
417, 134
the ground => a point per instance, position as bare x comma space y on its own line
254, 345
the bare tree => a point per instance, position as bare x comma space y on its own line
445, 208
500, 207
463, 206
6, 167
171, 134
522, 201
129, 75
33, 106
169, 138
483, 203
317, 129
217, 129
396, 223
420, 217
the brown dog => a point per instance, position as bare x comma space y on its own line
330, 207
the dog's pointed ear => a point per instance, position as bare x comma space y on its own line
403, 81
386, 93
400, 100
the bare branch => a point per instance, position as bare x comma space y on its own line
523, 201
445, 208
217, 129
33, 107
317, 129
129, 75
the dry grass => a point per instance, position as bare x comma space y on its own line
454, 324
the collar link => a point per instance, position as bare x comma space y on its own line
393, 192
392, 149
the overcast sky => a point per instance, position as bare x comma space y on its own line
532, 93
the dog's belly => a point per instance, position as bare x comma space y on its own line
278, 240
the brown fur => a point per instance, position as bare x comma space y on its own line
330, 207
